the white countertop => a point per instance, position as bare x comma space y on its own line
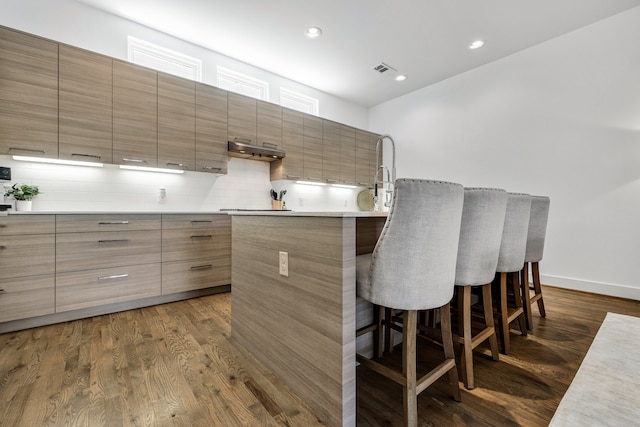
340, 214
354, 214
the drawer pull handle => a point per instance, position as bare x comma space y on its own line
194, 221
202, 267
93, 156
113, 241
211, 168
202, 236
135, 160
27, 149
115, 276
112, 222
2, 247
180, 165
293, 176
3, 225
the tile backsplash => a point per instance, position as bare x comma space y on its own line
246, 186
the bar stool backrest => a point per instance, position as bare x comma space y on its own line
537, 228
514, 235
414, 262
483, 215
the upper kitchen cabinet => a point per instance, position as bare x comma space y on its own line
330, 152
28, 95
135, 115
347, 155
85, 110
269, 121
211, 129
291, 167
176, 123
312, 145
242, 118
364, 170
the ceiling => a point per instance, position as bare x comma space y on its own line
425, 39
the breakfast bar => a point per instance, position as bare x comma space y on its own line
294, 300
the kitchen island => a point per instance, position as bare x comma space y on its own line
301, 324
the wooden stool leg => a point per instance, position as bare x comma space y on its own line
379, 341
466, 359
504, 314
447, 344
538, 289
526, 296
387, 334
410, 397
518, 302
488, 320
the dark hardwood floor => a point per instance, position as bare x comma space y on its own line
175, 364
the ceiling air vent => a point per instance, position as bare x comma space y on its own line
383, 68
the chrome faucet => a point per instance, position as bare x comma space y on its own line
391, 176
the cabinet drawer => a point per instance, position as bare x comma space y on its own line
27, 255
27, 224
85, 251
25, 297
191, 275
93, 288
106, 222
180, 245
196, 222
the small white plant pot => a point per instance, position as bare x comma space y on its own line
23, 205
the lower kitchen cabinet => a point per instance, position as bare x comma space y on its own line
196, 252
180, 276
92, 288
61, 267
22, 297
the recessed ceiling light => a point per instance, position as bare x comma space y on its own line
313, 32
476, 44
401, 78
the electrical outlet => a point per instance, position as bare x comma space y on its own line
284, 264
162, 195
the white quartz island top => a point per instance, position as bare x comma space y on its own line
340, 214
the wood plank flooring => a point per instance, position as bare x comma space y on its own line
175, 365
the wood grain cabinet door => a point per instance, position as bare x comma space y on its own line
312, 144
211, 129
292, 142
135, 115
176, 123
86, 105
269, 124
28, 95
347, 155
243, 118
330, 152
364, 172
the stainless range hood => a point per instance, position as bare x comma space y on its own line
243, 149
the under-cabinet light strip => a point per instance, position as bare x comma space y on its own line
148, 169
57, 161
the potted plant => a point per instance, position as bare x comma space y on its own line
23, 194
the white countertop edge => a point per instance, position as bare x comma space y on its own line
354, 214
340, 214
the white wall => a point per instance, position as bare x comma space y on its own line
559, 119
247, 183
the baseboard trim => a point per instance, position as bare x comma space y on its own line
611, 289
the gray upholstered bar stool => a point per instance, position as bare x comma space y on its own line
535, 247
510, 261
413, 268
480, 235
